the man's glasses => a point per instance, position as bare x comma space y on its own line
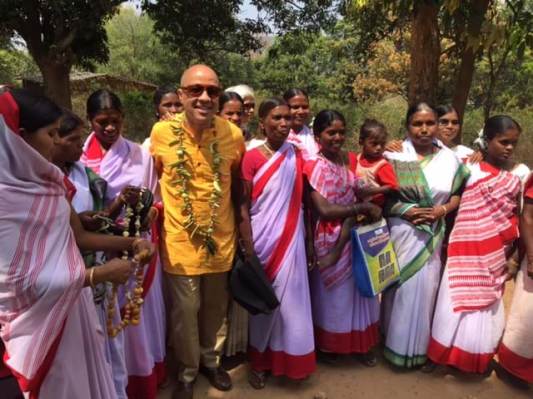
197, 90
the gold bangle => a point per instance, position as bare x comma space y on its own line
91, 277
445, 210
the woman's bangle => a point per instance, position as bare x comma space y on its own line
91, 277
445, 210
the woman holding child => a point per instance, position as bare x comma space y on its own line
345, 322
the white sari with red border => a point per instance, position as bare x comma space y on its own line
282, 342
126, 163
469, 313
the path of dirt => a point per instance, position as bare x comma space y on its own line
350, 379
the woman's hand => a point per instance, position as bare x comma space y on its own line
511, 268
370, 212
167, 116
151, 216
475, 157
419, 215
394, 146
116, 271
90, 220
143, 250
530, 269
437, 212
130, 195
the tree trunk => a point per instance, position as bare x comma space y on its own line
468, 58
425, 53
56, 80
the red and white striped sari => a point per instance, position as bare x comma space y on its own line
469, 316
282, 342
344, 320
45, 313
486, 223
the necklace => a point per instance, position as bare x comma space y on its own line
182, 184
132, 309
270, 150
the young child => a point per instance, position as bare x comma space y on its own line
376, 179
375, 173
345, 322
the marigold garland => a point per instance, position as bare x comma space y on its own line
183, 176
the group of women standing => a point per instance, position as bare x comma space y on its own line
446, 308
301, 193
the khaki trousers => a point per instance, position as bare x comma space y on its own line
198, 306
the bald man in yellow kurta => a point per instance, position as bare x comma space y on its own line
197, 278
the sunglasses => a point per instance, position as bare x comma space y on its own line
446, 122
197, 90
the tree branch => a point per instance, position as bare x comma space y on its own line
67, 40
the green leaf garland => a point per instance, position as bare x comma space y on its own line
181, 182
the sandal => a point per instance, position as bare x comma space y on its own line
328, 357
428, 367
369, 359
257, 379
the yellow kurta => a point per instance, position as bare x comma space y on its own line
179, 253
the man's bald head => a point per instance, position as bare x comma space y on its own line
199, 72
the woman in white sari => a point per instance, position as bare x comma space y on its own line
430, 176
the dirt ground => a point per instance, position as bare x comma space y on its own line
350, 379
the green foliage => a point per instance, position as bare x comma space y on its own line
234, 69
140, 115
67, 30
135, 52
315, 62
14, 64
199, 28
297, 16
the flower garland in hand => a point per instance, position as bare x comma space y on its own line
132, 308
183, 176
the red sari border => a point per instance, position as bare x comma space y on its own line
281, 363
259, 186
145, 387
458, 358
515, 364
349, 342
